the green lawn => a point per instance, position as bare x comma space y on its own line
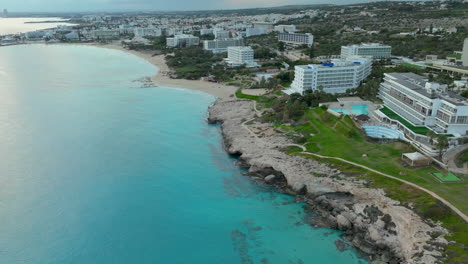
456, 56
449, 177
411, 65
418, 130
339, 137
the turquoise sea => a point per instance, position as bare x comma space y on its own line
96, 169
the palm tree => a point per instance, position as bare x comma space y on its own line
442, 144
431, 135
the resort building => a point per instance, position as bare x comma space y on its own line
144, 32
264, 25
376, 50
238, 56
255, 32
465, 53
221, 34
335, 76
221, 45
206, 31
296, 38
425, 104
285, 28
182, 40
105, 34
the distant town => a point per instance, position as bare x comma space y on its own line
380, 86
286, 44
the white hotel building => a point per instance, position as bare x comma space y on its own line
182, 40
144, 32
423, 103
376, 50
334, 77
296, 38
238, 56
221, 45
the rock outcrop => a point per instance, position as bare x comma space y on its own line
372, 222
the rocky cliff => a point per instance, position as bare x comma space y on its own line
374, 223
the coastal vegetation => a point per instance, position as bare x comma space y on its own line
192, 63
325, 134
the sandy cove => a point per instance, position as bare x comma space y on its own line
161, 78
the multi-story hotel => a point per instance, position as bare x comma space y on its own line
238, 56
376, 50
424, 103
221, 34
297, 38
335, 76
182, 40
143, 32
221, 45
285, 28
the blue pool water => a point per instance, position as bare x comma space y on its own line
340, 110
94, 169
359, 109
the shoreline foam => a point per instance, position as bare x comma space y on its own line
220, 90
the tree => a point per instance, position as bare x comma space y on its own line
442, 144
281, 46
431, 135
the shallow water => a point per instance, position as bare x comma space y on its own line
15, 25
94, 169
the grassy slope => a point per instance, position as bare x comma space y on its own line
339, 137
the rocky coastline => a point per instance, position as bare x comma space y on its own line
377, 225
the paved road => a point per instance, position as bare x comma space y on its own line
449, 159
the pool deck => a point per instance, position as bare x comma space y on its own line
345, 104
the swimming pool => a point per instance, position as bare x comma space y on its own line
359, 109
383, 132
340, 110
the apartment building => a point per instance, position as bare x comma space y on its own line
296, 38
182, 40
375, 50
424, 103
255, 32
221, 34
238, 56
335, 76
221, 45
144, 32
105, 34
285, 28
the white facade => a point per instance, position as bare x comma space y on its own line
297, 38
206, 31
255, 32
264, 25
465, 53
106, 34
35, 35
334, 77
238, 56
376, 50
221, 45
182, 40
285, 28
221, 34
144, 32
423, 103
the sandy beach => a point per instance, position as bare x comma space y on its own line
161, 78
